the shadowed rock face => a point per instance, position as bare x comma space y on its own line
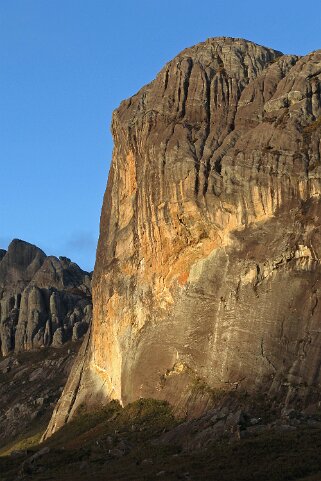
43, 300
208, 263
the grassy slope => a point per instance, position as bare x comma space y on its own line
16, 389
88, 448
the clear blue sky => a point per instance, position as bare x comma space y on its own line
66, 64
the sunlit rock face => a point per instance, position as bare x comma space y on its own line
208, 263
44, 300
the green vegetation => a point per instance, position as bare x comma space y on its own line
200, 387
136, 419
22, 444
116, 444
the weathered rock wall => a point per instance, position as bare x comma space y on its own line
43, 300
208, 263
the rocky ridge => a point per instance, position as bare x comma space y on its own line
207, 276
30, 385
43, 300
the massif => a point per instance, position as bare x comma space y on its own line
44, 300
207, 277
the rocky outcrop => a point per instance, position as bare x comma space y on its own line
208, 264
30, 385
43, 300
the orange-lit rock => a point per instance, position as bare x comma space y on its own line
208, 258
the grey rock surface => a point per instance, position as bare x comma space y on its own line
233, 424
42, 298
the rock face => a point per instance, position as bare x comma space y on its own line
43, 300
207, 274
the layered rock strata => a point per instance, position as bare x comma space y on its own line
207, 275
43, 300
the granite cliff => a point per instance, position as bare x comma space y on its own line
44, 300
207, 277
